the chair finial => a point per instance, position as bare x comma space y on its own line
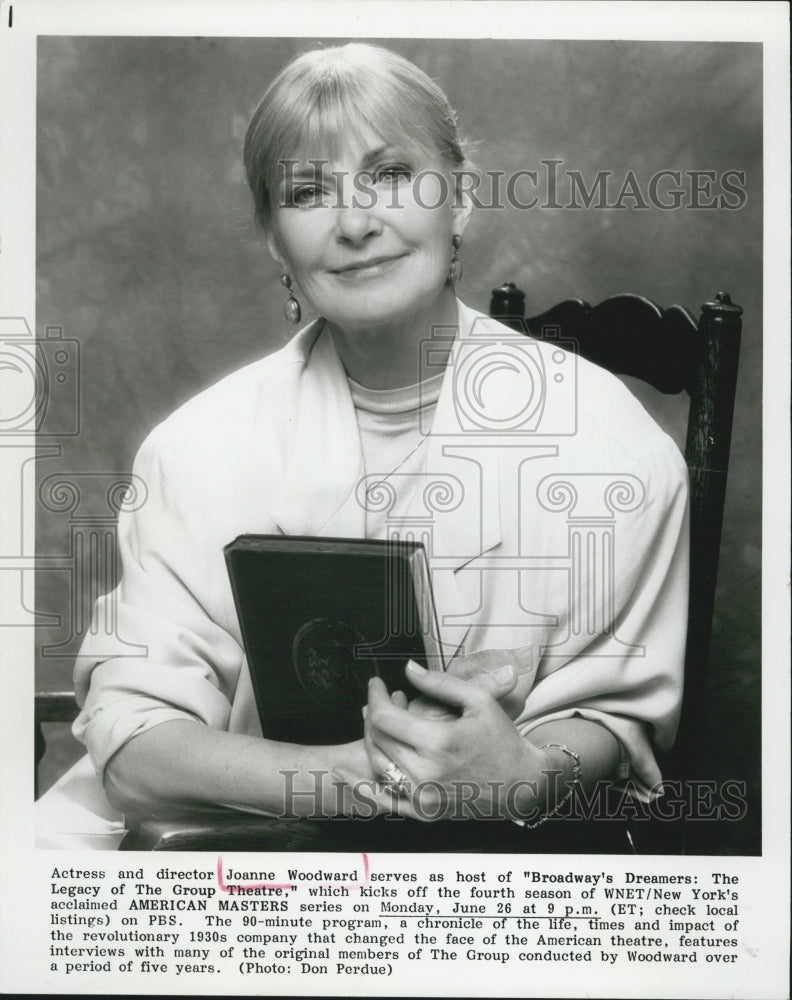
507, 301
722, 304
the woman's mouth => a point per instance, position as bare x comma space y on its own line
372, 267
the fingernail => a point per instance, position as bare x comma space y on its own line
416, 668
504, 673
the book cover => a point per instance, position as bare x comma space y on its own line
319, 617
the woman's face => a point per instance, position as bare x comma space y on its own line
368, 237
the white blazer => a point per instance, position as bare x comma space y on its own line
554, 508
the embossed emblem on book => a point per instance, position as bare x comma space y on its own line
324, 660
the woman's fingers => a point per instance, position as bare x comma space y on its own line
384, 750
387, 719
485, 661
380, 756
399, 699
451, 757
429, 708
417, 729
382, 753
499, 683
493, 670
486, 669
424, 745
464, 693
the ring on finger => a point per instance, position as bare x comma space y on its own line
395, 780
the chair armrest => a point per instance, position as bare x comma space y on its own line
230, 831
56, 706
50, 706
227, 832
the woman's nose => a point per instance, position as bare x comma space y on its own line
355, 224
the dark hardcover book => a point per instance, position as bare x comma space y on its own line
319, 617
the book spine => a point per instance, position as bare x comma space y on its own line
424, 600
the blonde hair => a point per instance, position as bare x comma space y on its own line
321, 97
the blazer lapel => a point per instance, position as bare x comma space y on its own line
317, 495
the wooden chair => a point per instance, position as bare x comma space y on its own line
51, 706
629, 335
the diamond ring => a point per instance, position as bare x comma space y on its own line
395, 780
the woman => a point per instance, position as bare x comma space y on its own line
357, 174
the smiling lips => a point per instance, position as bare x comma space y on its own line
372, 266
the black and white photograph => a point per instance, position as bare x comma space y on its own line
575, 170
386, 443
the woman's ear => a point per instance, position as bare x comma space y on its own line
275, 250
463, 203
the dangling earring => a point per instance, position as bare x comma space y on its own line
455, 269
291, 308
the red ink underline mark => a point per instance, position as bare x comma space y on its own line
247, 886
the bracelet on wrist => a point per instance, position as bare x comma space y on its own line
577, 776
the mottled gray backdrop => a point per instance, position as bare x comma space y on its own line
147, 255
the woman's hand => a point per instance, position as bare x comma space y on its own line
495, 671
468, 764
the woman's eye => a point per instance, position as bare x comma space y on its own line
307, 195
392, 174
